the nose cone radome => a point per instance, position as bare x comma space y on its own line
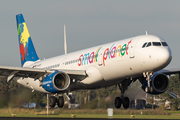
164, 57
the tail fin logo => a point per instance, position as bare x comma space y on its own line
27, 50
23, 39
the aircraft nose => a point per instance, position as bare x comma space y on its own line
164, 57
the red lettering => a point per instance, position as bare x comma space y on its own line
80, 60
127, 47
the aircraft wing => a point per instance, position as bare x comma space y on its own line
170, 71
36, 73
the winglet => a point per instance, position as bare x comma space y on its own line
27, 50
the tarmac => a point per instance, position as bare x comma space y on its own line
45, 118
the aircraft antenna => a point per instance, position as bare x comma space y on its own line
146, 33
65, 45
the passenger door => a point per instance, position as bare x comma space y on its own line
132, 48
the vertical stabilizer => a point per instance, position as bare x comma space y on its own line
27, 51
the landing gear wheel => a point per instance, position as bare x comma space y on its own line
118, 102
126, 102
147, 89
60, 102
151, 89
52, 101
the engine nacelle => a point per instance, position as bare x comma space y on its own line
56, 82
159, 84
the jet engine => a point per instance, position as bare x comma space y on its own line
56, 82
159, 83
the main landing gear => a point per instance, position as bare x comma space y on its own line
59, 100
121, 100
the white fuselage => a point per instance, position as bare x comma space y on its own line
110, 63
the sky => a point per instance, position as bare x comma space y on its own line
88, 23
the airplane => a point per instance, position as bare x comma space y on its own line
117, 63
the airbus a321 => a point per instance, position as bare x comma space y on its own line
117, 63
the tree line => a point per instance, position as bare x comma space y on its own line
15, 95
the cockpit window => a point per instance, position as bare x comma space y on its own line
149, 44
164, 44
156, 43
144, 45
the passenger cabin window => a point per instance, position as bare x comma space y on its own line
149, 44
144, 45
156, 43
164, 44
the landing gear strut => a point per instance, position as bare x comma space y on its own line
121, 100
59, 100
147, 75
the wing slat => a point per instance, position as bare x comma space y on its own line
37, 73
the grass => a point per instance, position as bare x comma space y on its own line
97, 116
174, 112
90, 113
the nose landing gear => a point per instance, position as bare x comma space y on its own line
147, 75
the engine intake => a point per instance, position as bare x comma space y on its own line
56, 82
159, 84
61, 81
